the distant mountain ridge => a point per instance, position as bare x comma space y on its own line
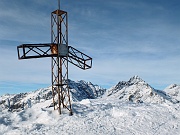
136, 90
78, 91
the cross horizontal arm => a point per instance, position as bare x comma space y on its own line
79, 59
28, 51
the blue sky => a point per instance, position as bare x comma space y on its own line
124, 38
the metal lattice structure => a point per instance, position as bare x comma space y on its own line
61, 54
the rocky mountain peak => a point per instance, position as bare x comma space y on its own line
173, 91
132, 81
135, 79
136, 90
172, 86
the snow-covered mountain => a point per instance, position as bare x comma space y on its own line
85, 90
130, 107
78, 91
174, 92
137, 90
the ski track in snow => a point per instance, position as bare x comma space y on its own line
95, 116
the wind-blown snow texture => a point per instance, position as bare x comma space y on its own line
129, 108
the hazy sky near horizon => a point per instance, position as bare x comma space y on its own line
124, 38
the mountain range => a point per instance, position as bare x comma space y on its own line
136, 90
130, 107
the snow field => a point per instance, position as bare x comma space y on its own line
128, 108
94, 117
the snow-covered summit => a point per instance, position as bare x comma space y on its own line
173, 91
136, 90
135, 80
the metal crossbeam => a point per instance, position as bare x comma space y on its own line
79, 59
28, 51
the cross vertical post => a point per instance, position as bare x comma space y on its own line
59, 40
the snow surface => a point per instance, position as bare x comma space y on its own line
117, 112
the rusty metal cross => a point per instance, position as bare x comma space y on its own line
61, 54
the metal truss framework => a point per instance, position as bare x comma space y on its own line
59, 37
60, 54
77, 58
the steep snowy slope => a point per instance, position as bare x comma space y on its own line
173, 91
136, 90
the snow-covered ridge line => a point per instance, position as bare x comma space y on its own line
78, 91
138, 91
134, 90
